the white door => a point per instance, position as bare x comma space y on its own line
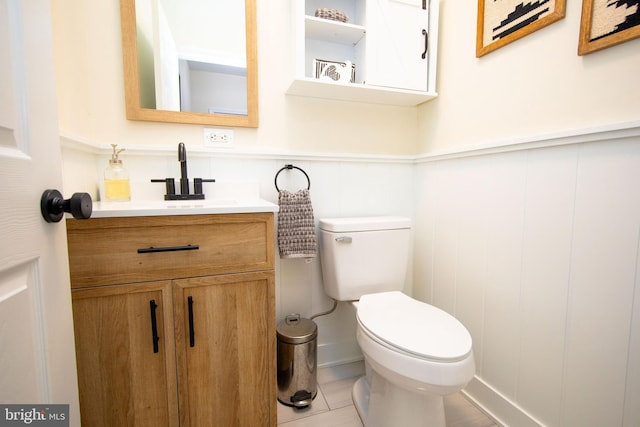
37, 356
397, 32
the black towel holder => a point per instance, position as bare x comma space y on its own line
289, 167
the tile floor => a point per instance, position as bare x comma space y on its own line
333, 406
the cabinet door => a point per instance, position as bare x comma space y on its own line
396, 40
126, 375
225, 346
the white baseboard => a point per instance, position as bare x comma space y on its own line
332, 354
497, 406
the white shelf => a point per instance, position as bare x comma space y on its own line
333, 31
358, 93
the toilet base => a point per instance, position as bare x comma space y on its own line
383, 404
360, 397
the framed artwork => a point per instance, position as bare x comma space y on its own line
501, 22
332, 71
607, 22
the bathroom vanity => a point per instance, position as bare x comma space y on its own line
174, 315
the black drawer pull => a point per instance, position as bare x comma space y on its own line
154, 325
168, 249
192, 338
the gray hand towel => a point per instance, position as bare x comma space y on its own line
296, 225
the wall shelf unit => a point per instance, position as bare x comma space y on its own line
395, 61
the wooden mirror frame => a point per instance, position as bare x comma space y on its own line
132, 81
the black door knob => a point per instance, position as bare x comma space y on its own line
53, 206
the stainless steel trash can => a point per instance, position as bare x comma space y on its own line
297, 364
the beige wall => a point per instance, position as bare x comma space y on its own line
534, 86
90, 88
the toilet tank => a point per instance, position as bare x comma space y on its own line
363, 255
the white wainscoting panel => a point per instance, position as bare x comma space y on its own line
536, 252
603, 268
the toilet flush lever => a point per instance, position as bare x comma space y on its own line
343, 239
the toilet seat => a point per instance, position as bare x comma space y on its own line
414, 327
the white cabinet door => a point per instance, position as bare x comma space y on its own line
396, 40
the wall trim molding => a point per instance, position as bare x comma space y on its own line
617, 131
577, 136
75, 142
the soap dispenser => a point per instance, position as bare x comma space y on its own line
116, 179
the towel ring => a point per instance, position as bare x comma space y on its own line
275, 180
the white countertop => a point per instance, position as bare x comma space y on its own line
180, 207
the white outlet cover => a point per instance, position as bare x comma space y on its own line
216, 137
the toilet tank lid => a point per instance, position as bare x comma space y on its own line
372, 223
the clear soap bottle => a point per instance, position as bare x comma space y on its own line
116, 179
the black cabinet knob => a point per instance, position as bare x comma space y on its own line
53, 205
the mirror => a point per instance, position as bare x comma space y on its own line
168, 73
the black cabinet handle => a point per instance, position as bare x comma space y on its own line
154, 325
168, 249
192, 340
426, 43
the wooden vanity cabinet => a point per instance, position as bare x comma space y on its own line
222, 325
126, 378
175, 337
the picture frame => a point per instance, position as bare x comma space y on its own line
605, 24
334, 71
501, 22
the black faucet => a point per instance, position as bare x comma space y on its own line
184, 181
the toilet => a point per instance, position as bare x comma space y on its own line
414, 353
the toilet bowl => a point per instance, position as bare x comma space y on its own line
414, 353
418, 345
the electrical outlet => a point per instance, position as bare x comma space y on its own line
218, 137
